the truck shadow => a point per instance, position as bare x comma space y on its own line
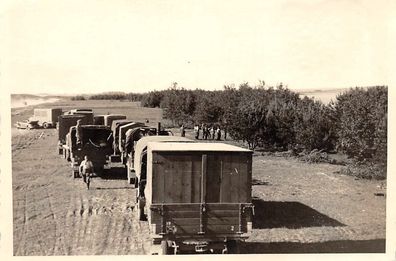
114, 173
289, 214
339, 246
99, 188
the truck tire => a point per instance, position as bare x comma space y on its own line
45, 125
233, 247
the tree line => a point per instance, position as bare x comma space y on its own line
276, 118
279, 119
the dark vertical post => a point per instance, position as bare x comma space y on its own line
203, 177
158, 127
203, 194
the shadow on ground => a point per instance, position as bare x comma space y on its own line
99, 188
340, 246
114, 173
292, 215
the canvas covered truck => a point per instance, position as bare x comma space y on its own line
129, 135
64, 124
135, 149
108, 119
96, 144
98, 120
196, 196
86, 112
46, 118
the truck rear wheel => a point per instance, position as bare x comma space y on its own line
45, 125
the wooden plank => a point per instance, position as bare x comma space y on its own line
235, 175
196, 179
185, 195
203, 177
225, 182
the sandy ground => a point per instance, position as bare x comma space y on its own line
299, 207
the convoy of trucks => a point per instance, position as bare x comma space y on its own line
196, 197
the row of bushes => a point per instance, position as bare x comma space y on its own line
110, 96
278, 118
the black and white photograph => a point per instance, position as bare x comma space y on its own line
212, 129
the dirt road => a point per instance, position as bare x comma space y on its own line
298, 207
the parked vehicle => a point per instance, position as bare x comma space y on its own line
96, 143
195, 196
46, 118
27, 124
64, 124
74, 111
98, 120
138, 149
115, 129
108, 119
130, 134
86, 112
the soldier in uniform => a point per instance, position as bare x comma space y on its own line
86, 170
79, 133
182, 131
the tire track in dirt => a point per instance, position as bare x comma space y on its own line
59, 246
21, 241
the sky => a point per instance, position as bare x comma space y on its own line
71, 47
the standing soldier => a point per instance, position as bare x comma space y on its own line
182, 131
212, 132
196, 131
86, 170
218, 133
79, 133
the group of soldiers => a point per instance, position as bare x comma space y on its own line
206, 132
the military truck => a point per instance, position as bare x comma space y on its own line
64, 124
86, 112
129, 134
46, 118
137, 150
196, 197
116, 127
96, 143
108, 119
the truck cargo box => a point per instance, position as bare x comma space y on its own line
46, 118
122, 133
134, 158
108, 119
197, 192
67, 121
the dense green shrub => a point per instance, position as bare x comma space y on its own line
78, 98
362, 123
278, 119
152, 99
